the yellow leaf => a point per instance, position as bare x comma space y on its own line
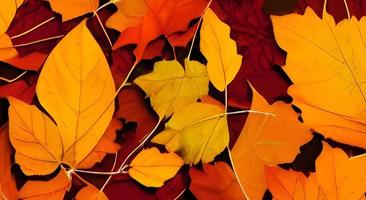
197, 132
172, 88
90, 192
105, 145
73, 8
223, 62
266, 139
325, 62
291, 185
152, 168
341, 177
129, 14
35, 137
53, 189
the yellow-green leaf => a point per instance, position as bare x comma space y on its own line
172, 88
197, 132
77, 89
152, 168
35, 137
223, 62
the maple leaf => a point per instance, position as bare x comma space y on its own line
90, 192
197, 120
151, 168
215, 182
172, 88
266, 140
223, 62
289, 185
327, 72
339, 176
72, 9
151, 18
81, 109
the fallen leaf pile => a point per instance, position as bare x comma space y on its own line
188, 99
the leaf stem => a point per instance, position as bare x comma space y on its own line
39, 41
32, 29
104, 31
14, 79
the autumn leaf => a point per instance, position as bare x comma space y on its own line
7, 13
35, 137
72, 9
326, 71
172, 88
223, 62
90, 192
339, 176
8, 188
215, 182
153, 18
77, 89
266, 139
197, 120
105, 145
290, 185
152, 168
52, 189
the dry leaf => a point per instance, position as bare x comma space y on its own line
71, 9
53, 189
341, 177
266, 139
152, 168
77, 89
291, 185
197, 120
105, 145
325, 62
223, 62
172, 88
90, 192
215, 182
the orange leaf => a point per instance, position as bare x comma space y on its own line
105, 145
160, 17
215, 182
7, 182
40, 190
90, 193
75, 8
291, 185
266, 139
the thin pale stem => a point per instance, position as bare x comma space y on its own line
104, 31
173, 49
14, 79
39, 41
105, 5
81, 178
32, 29
348, 12
226, 99
236, 174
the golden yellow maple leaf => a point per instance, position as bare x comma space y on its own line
266, 140
73, 8
76, 88
152, 168
197, 132
223, 62
172, 88
341, 177
292, 185
90, 192
325, 61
